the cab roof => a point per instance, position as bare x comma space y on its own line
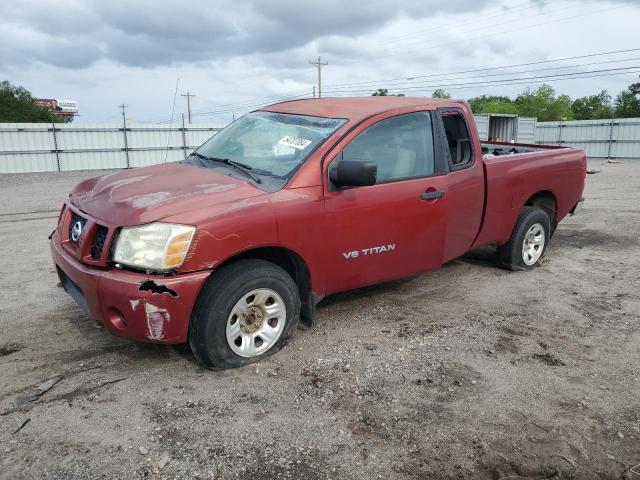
357, 108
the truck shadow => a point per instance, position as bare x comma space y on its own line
365, 292
479, 257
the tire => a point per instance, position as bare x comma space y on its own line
240, 302
534, 225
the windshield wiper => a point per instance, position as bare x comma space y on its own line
246, 169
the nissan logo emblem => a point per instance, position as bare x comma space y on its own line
76, 231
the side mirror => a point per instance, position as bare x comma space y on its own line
349, 173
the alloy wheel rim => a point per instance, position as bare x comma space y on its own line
256, 322
533, 244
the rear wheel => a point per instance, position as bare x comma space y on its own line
528, 241
245, 312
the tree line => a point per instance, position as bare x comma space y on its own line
17, 106
547, 105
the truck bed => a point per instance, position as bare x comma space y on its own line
514, 178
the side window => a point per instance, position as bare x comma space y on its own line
401, 147
458, 140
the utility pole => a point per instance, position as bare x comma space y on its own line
124, 133
124, 117
314, 91
188, 95
55, 139
319, 64
184, 138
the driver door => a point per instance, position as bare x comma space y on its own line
396, 227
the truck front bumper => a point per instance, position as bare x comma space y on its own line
114, 298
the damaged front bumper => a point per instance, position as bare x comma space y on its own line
151, 308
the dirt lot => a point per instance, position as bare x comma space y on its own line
468, 372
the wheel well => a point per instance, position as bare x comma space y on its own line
294, 265
547, 202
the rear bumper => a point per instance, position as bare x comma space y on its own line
113, 298
578, 206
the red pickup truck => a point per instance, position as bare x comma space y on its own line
229, 248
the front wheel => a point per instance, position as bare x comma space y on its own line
245, 312
528, 241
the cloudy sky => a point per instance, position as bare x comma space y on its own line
238, 54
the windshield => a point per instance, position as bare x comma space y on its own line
268, 143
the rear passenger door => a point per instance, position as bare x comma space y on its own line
396, 227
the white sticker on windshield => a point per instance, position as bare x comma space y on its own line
294, 142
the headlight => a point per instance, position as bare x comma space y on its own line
157, 246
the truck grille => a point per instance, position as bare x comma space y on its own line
95, 237
98, 241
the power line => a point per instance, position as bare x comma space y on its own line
250, 105
537, 82
459, 86
489, 82
413, 86
259, 101
251, 101
487, 69
506, 82
514, 81
401, 85
268, 97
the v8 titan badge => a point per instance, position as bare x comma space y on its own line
365, 252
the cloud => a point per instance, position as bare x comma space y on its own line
76, 33
248, 53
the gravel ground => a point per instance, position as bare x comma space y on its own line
467, 372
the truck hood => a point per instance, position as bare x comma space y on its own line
148, 194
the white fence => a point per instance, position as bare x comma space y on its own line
41, 147
614, 138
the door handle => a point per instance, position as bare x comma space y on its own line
434, 195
